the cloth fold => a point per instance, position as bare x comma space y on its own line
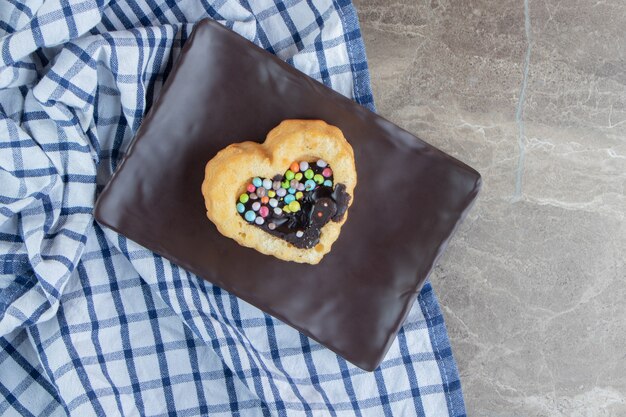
92, 323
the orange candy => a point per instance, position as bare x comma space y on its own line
294, 167
265, 200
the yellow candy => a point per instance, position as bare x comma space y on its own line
286, 209
299, 195
294, 206
271, 193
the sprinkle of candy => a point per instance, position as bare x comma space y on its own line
304, 165
321, 163
244, 198
253, 196
328, 183
250, 188
276, 185
256, 206
264, 211
289, 198
281, 192
285, 184
286, 209
267, 183
327, 172
271, 193
299, 195
300, 187
241, 208
278, 211
265, 200
294, 206
271, 226
294, 167
257, 182
250, 216
259, 220
318, 178
273, 202
308, 174
294, 183
291, 190
309, 185
260, 192
298, 176
289, 174
299, 233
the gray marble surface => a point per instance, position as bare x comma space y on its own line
532, 95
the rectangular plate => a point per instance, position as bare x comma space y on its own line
409, 198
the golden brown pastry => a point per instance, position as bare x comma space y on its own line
287, 197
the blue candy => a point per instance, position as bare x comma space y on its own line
328, 183
241, 208
309, 185
257, 182
291, 190
289, 198
250, 216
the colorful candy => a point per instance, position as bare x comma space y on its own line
269, 202
309, 185
294, 206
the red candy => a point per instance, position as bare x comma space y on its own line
264, 211
251, 188
327, 172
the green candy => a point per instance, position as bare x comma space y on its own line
318, 179
289, 174
244, 198
285, 184
308, 174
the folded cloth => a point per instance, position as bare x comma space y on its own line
93, 324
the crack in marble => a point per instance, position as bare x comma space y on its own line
519, 114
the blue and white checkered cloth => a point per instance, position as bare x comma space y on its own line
93, 324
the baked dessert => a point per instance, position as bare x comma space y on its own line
287, 197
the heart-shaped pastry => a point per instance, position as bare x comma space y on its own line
287, 197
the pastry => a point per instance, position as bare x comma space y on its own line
287, 197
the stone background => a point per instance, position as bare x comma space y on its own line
532, 95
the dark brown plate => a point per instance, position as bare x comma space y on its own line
408, 200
